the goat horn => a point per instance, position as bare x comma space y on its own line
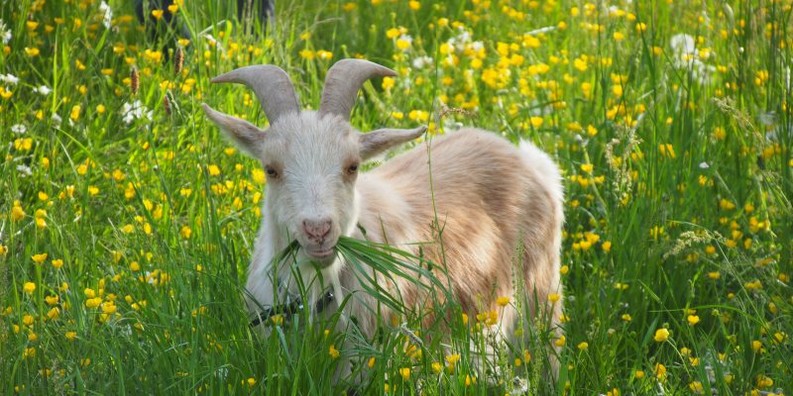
343, 81
272, 87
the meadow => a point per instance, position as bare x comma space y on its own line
126, 219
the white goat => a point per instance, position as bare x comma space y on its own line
494, 201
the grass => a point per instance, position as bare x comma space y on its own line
126, 223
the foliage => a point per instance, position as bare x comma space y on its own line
125, 219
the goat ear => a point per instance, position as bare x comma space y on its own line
377, 141
245, 135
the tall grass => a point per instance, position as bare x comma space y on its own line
126, 222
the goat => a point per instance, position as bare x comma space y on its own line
495, 201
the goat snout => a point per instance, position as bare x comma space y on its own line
317, 229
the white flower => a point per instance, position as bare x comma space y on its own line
9, 78
683, 44
19, 129
24, 170
108, 14
134, 111
703, 165
5, 33
422, 61
43, 90
686, 56
56, 119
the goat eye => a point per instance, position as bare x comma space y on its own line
271, 173
352, 169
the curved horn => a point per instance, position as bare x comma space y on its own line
272, 87
343, 81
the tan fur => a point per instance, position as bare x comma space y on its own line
490, 204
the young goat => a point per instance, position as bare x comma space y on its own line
497, 204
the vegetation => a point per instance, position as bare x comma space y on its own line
126, 220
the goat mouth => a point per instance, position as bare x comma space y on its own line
320, 254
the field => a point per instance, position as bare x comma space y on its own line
127, 219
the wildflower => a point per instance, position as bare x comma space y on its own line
661, 335
53, 313
692, 320
696, 387
39, 258
404, 42
660, 371
5, 32
19, 129
502, 301
32, 52
29, 287
638, 374
93, 302
157, 14
404, 372
186, 232
17, 213
9, 79
135, 110
437, 367
553, 297
107, 14
251, 381
560, 341
333, 352
583, 346
757, 346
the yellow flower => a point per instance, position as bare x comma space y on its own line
186, 232
53, 313
213, 170
28, 320
17, 213
93, 302
39, 258
405, 373
333, 352
583, 346
29, 287
660, 371
502, 301
32, 52
553, 297
453, 359
638, 374
661, 335
692, 319
157, 14
75, 113
560, 341
437, 367
71, 335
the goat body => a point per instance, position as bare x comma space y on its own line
495, 209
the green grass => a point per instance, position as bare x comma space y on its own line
677, 173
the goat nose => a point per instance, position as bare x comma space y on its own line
317, 229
